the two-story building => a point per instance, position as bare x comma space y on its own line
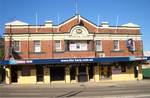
74, 51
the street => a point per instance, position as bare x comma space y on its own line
132, 89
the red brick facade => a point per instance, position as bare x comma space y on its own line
48, 46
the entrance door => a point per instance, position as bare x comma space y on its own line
39, 73
57, 73
82, 74
91, 69
14, 75
135, 71
73, 72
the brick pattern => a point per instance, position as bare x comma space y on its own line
48, 50
68, 26
48, 46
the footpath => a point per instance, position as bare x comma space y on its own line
78, 85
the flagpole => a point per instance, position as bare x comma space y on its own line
36, 21
117, 24
76, 4
98, 21
58, 21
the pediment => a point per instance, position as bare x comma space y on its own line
77, 21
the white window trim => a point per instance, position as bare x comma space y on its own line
101, 45
34, 46
60, 48
117, 45
19, 46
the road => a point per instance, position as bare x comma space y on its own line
82, 90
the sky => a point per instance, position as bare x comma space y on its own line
135, 11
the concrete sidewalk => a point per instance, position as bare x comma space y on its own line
78, 85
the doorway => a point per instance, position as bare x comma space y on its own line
82, 73
135, 71
91, 71
57, 73
73, 72
39, 73
14, 75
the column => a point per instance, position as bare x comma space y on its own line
77, 73
67, 75
140, 75
46, 74
19, 77
8, 75
96, 73
33, 75
87, 71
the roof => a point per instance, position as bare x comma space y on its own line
67, 25
130, 24
16, 22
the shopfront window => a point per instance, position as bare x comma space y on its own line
26, 71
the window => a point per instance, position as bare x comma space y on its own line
116, 45
58, 45
16, 46
37, 46
26, 71
98, 45
78, 46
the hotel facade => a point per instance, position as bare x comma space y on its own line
74, 51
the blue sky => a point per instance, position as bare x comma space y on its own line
136, 11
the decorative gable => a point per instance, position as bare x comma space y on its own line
77, 21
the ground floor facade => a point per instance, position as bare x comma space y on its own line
72, 73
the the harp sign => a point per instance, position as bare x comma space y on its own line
130, 44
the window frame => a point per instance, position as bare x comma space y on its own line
118, 45
58, 48
35, 46
98, 45
19, 46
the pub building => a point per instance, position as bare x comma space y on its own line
74, 51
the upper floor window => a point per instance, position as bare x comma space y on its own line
58, 45
78, 46
116, 45
98, 45
17, 46
37, 46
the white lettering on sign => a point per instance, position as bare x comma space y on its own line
77, 60
23, 61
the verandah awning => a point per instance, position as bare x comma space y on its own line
72, 60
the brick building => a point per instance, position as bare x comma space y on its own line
74, 51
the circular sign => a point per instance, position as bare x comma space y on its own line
79, 31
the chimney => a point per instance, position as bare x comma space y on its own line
105, 24
48, 23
